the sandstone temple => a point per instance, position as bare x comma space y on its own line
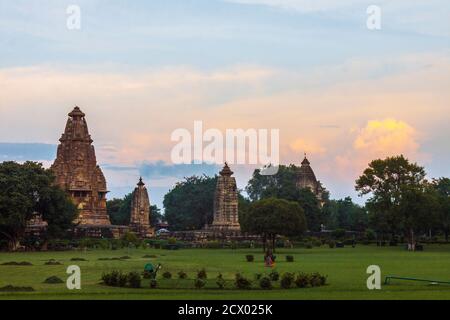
226, 202
140, 211
77, 172
307, 179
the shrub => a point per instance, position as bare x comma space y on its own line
134, 280
199, 283
172, 241
78, 259
167, 275
250, 258
316, 280
302, 280
290, 258
265, 283
153, 283
317, 243
125, 258
52, 262
53, 280
332, 244
308, 245
274, 276
258, 276
11, 288
242, 283
122, 279
287, 280
338, 234
182, 275
14, 263
201, 274
220, 281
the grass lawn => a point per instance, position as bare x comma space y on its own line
346, 270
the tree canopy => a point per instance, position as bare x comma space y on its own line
271, 217
28, 189
190, 204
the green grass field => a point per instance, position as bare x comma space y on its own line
346, 270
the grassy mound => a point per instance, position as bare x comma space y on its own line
11, 288
14, 263
53, 280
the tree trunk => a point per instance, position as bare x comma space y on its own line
13, 244
413, 242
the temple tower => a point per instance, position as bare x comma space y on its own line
226, 202
140, 211
77, 172
307, 179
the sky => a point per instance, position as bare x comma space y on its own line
335, 89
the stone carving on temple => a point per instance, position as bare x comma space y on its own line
77, 172
307, 179
140, 211
226, 202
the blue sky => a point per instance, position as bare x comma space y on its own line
141, 69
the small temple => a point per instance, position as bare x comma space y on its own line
225, 202
77, 172
307, 179
140, 211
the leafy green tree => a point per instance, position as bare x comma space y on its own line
28, 189
442, 187
345, 214
190, 204
390, 182
271, 217
119, 211
281, 185
310, 205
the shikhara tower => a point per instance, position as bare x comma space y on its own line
77, 172
226, 202
140, 211
307, 179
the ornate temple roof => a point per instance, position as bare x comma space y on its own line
305, 172
226, 171
76, 127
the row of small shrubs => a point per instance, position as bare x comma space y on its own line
119, 279
201, 274
251, 258
11, 288
14, 263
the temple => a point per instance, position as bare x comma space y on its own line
77, 172
307, 179
140, 211
226, 202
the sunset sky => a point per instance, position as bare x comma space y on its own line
338, 91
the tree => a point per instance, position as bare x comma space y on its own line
271, 217
310, 205
119, 211
345, 214
281, 185
392, 183
28, 189
442, 188
190, 204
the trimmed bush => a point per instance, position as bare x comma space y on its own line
125, 258
14, 263
287, 280
265, 283
153, 283
308, 245
167, 275
220, 281
274, 276
78, 259
250, 258
134, 280
289, 258
199, 283
182, 275
332, 244
302, 280
11, 288
242, 283
53, 280
52, 262
201, 274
